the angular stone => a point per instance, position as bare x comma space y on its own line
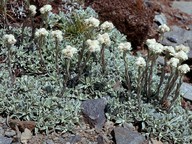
22, 124
75, 139
160, 19
183, 6
127, 136
10, 133
1, 131
186, 91
5, 140
178, 36
93, 112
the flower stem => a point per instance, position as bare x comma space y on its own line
127, 78
102, 54
170, 85
41, 41
56, 55
162, 78
139, 80
9, 64
150, 77
177, 91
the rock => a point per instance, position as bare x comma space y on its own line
186, 90
183, 6
160, 60
74, 139
1, 131
2, 120
22, 124
178, 36
132, 18
93, 112
100, 139
10, 133
5, 140
160, 19
127, 136
49, 141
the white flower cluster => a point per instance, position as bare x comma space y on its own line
104, 39
163, 28
124, 46
107, 26
10, 39
154, 46
170, 50
181, 55
183, 69
57, 34
92, 22
173, 62
45, 9
182, 48
69, 51
41, 32
140, 62
93, 45
32, 9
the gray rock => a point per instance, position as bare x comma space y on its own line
183, 6
178, 36
5, 140
100, 139
186, 90
2, 120
74, 139
93, 112
127, 136
1, 131
160, 19
160, 60
49, 141
10, 133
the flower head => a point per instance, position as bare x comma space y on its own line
173, 62
124, 46
93, 45
150, 41
104, 39
69, 51
163, 28
107, 25
182, 48
92, 22
45, 9
181, 55
140, 62
10, 39
170, 50
41, 32
57, 34
183, 69
156, 48
32, 9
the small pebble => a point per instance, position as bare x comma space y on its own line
1, 131
10, 133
